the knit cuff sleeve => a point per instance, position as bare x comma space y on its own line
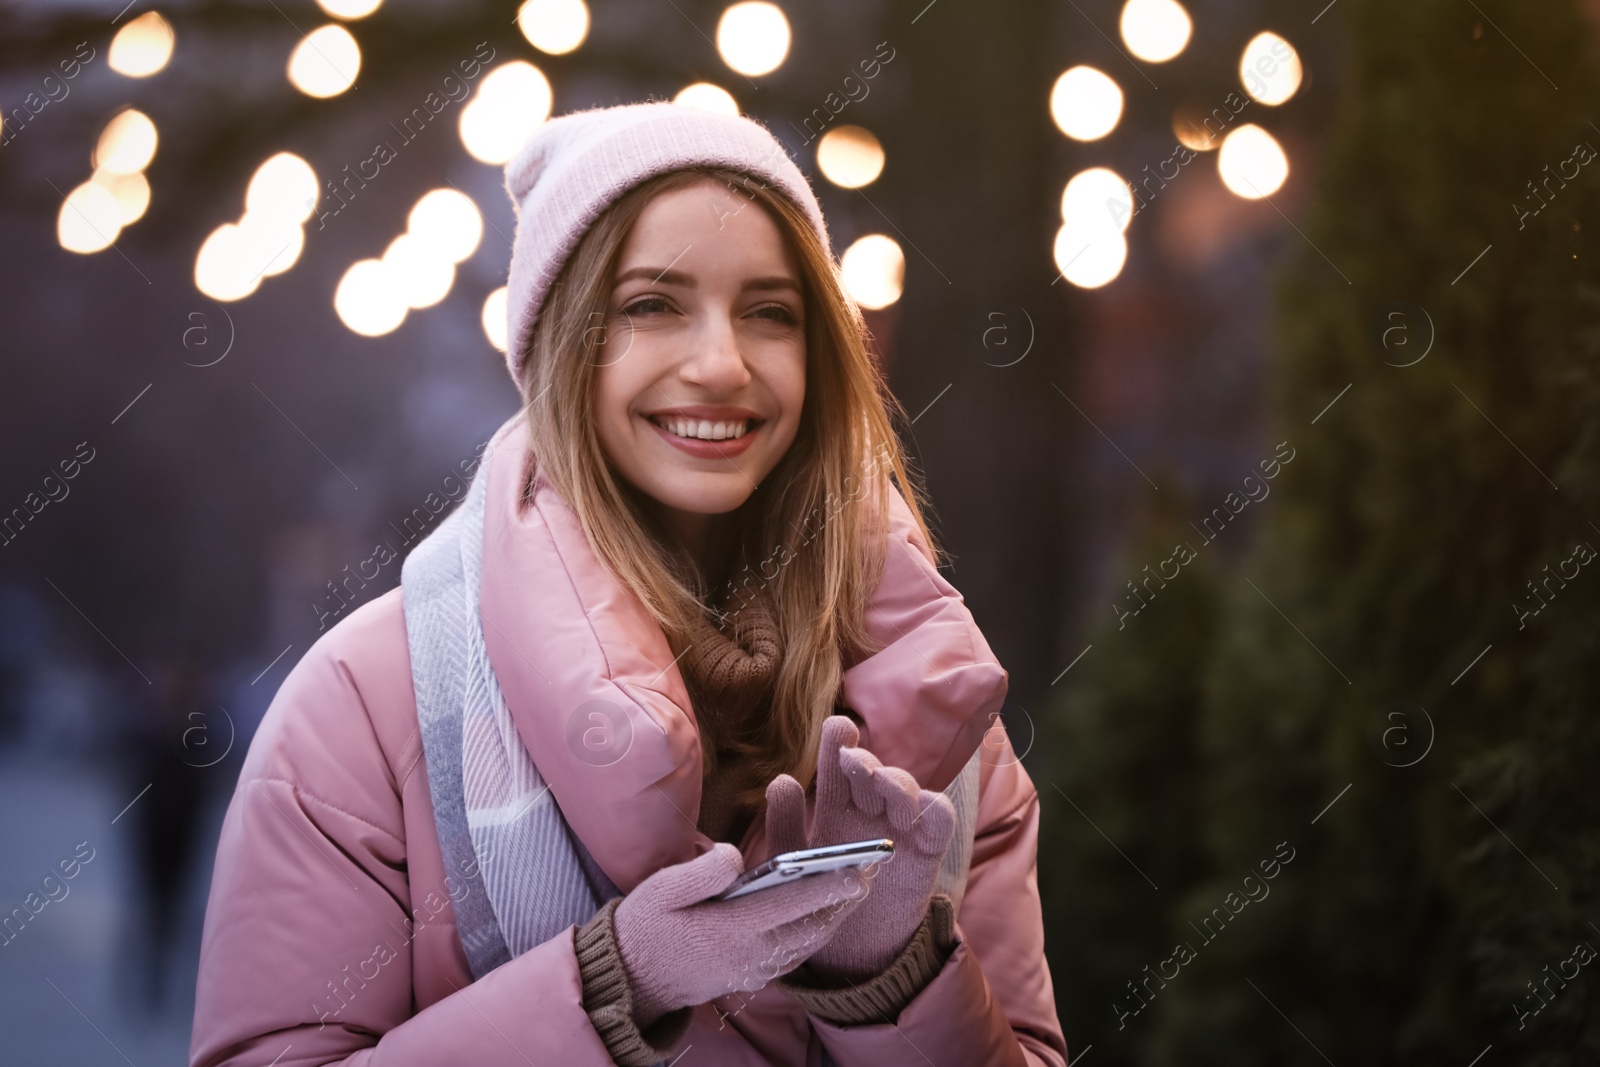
881, 998
608, 998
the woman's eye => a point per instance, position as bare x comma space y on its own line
647, 305
777, 313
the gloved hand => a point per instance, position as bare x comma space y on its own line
680, 949
858, 798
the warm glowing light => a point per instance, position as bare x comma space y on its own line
349, 9
131, 191
325, 62
127, 144
1085, 103
1190, 126
368, 301
447, 223
283, 187
850, 156
423, 278
494, 318
707, 97
1252, 163
1090, 255
142, 47
90, 219
753, 37
1155, 30
269, 244
554, 26
221, 269
1097, 196
511, 101
1270, 68
873, 271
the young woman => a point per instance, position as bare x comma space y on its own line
683, 619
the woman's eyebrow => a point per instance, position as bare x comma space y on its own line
668, 276
657, 274
776, 281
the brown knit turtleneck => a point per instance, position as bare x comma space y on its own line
731, 678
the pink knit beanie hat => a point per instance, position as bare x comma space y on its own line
573, 167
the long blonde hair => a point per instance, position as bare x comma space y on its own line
846, 436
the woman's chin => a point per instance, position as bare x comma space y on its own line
705, 494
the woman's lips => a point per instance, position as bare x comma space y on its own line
727, 448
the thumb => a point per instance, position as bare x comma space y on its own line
683, 884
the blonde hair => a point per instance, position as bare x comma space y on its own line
819, 591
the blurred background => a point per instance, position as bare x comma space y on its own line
1253, 350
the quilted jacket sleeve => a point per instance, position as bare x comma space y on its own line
311, 929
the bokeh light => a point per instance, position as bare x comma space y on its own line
1252, 163
707, 97
1270, 69
368, 300
494, 318
90, 219
554, 26
268, 238
1090, 255
753, 37
850, 156
325, 62
447, 224
1155, 30
349, 9
142, 47
510, 102
1097, 196
269, 244
873, 271
132, 193
284, 187
221, 269
1189, 126
1085, 103
423, 277
127, 144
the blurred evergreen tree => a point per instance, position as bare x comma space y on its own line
1463, 863
1118, 776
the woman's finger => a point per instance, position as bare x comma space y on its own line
833, 788
863, 770
786, 815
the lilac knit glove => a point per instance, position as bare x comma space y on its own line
680, 949
859, 798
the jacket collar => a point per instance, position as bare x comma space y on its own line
601, 706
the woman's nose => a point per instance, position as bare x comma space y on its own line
717, 361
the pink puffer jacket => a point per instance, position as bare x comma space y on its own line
330, 937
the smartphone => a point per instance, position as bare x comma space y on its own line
792, 866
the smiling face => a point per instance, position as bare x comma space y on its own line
702, 374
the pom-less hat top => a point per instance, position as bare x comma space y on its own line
573, 167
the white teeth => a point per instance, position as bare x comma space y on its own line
703, 428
